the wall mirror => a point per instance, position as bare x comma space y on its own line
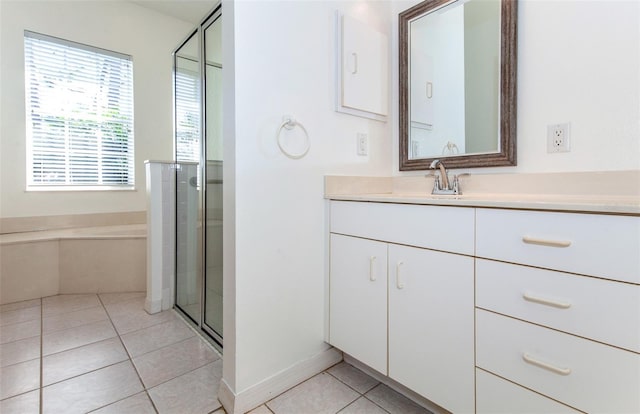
458, 83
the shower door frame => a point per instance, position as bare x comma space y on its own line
199, 31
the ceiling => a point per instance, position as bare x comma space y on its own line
192, 11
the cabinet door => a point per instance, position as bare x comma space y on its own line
358, 299
431, 325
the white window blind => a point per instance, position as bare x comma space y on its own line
79, 103
187, 91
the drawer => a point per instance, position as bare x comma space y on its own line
590, 244
495, 395
599, 309
448, 229
586, 375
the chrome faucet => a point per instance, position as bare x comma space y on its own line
442, 184
444, 178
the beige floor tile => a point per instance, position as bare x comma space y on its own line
156, 337
55, 305
129, 316
78, 361
79, 336
19, 378
194, 392
174, 360
362, 406
19, 351
90, 391
28, 403
136, 404
263, 409
18, 331
394, 402
19, 315
19, 305
73, 319
110, 298
322, 394
353, 377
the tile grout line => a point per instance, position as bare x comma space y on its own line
144, 387
362, 395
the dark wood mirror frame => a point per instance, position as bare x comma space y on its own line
508, 93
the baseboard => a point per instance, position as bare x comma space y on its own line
271, 387
152, 306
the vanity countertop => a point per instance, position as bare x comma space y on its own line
608, 205
602, 193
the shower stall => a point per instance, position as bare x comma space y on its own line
199, 180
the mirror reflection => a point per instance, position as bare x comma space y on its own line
454, 65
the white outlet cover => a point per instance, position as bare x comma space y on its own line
558, 138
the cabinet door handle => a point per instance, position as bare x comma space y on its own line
543, 301
355, 63
399, 283
534, 361
372, 275
548, 243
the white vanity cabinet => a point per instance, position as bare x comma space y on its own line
491, 310
570, 337
399, 287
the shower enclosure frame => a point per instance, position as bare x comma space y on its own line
199, 32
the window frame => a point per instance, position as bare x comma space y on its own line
98, 152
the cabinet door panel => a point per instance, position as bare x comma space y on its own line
358, 299
431, 325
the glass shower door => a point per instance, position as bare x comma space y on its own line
213, 191
188, 195
198, 124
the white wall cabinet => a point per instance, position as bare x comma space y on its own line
425, 297
363, 69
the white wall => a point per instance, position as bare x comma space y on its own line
578, 62
283, 64
148, 36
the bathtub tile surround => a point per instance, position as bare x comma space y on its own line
90, 355
50, 255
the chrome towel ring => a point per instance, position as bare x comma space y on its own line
290, 123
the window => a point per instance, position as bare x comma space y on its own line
187, 108
79, 110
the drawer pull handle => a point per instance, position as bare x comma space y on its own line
533, 361
399, 283
548, 243
372, 261
549, 302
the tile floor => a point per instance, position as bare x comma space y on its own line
104, 354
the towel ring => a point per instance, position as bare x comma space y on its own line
450, 148
290, 123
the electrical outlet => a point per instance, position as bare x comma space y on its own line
363, 144
558, 136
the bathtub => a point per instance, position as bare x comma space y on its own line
99, 259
